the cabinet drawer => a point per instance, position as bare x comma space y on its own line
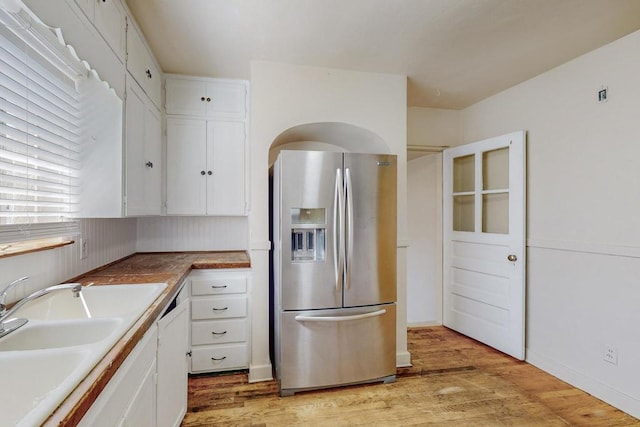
219, 357
218, 331
223, 284
218, 308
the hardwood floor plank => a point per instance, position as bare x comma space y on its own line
454, 381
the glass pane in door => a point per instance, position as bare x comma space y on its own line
464, 213
464, 173
495, 169
495, 213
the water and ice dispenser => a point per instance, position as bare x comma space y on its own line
308, 234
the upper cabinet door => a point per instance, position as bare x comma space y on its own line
226, 165
219, 99
110, 20
226, 100
186, 97
87, 7
142, 67
186, 166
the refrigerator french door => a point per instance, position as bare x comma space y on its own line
334, 237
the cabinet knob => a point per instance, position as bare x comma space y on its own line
189, 353
202, 98
209, 173
148, 73
202, 172
208, 99
149, 165
512, 258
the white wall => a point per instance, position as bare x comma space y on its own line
583, 222
434, 127
177, 233
283, 96
424, 254
107, 240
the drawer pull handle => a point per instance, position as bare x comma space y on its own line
220, 309
218, 286
218, 359
218, 333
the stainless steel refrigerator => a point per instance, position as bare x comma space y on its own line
334, 268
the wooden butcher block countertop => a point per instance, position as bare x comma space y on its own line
167, 267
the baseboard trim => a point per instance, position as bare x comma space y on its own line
602, 391
403, 359
259, 373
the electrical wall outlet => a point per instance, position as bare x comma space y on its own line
84, 249
602, 94
610, 354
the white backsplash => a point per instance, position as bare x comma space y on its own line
176, 233
107, 240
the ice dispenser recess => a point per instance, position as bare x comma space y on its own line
308, 232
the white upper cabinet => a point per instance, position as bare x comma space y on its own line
142, 66
206, 145
205, 167
88, 7
219, 98
143, 154
110, 19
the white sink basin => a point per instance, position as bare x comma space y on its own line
45, 335
101, 301
43, 361
34, 383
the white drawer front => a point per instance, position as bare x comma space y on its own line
223, 284
218, 331
218, 308
219, 357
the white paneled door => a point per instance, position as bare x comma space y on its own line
484, 241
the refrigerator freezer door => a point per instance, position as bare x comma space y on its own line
371, 240
311, 270
336, 347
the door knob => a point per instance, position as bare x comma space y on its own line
512, 258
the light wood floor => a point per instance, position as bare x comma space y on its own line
454, 381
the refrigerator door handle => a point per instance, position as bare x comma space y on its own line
302, 318
349, 221
338, 229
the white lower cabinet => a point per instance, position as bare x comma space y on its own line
172, 363
220, 324
115, 405
150, 387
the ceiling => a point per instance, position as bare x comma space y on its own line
454, 52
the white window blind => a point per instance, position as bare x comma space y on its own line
39, 144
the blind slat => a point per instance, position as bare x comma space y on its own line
39, 147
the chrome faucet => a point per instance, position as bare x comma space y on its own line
8, 325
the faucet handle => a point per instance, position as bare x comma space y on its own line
6, 288
3, 293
